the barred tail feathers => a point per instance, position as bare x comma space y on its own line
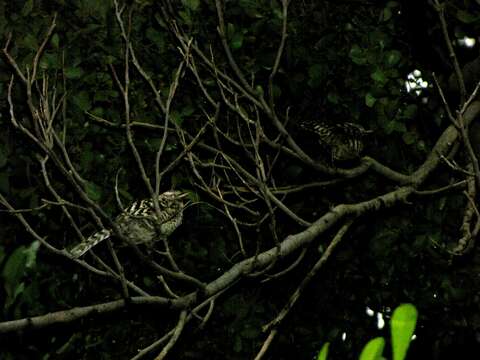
80, 249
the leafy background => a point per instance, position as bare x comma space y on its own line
344, 60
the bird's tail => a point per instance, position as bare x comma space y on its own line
80, 249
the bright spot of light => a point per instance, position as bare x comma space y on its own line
414, 337
380, 321
369, 311
415, 83
467, 42
344, 336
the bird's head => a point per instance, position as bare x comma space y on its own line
174, 197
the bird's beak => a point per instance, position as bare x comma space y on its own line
182, 195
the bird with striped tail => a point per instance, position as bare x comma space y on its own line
342, 141
139, 222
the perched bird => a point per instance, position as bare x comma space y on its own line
342, 141
139, 222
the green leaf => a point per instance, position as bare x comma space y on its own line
50, 61
237, 344
14, 270
392, 57
185, 15
402, 326
187, 110
259, 90
409, 138
230, 30
191, 4
333, 98
317, 74
357, 55
373, 350
410, 111
386, 14
250, 332
73, 73
400, 127
466, 17
55, 40
237, 40
30, 41
148, 281
18, 290
370, 100
392, 4
157, 38
82, 100
93, 191
322, 355
277, 91
27, 8
31, 254
379, 76
251, 8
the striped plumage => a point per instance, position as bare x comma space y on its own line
343, 141
139, 222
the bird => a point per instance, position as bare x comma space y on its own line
139, 222
342, 141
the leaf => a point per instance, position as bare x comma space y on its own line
379, 76
237, 40
322, 355
251, 8
393, 57
357, 55
73, 73
317, 74
30, 42
50, 61
14, 270
333, 98
157, 38
55, 40
250, 332
191, 4
185, 15
386, 14
402, 326
82, 100
370, 100
93, 191
31, 254
466, 17
230, 30
409, 138
18, 290
410, 111
187, 110
27, 8
373, 350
